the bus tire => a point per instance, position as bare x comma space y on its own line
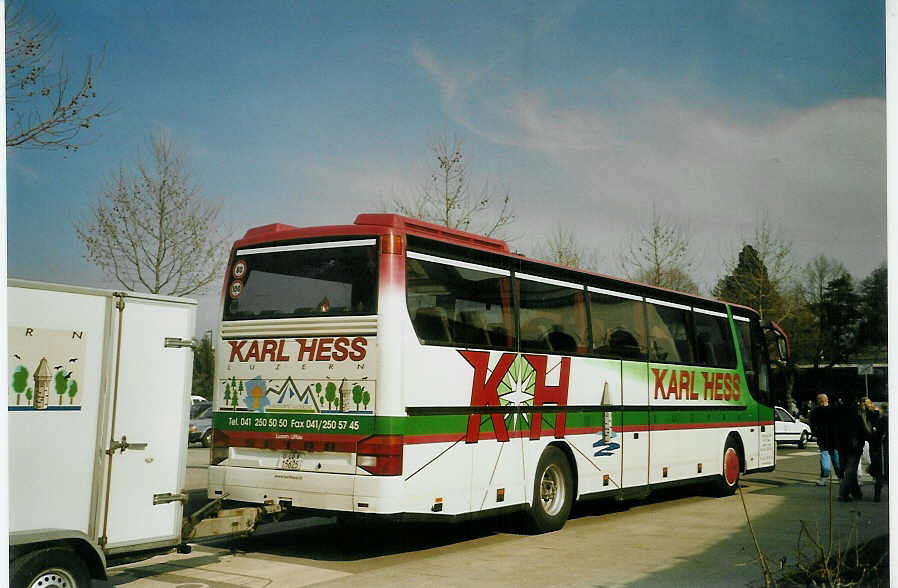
728, 480
50, 566
553, 491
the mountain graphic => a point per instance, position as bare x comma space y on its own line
288, 391
308, 397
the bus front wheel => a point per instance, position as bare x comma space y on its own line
553, 491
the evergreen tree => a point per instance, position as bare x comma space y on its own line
874, 307
749, 284
839, 316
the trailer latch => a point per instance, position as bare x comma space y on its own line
178, 342
169, 497
123, 445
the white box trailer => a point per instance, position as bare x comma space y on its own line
98, 401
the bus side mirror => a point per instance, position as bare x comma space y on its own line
782, 344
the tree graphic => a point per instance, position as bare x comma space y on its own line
357, 395
227, 394
235, 398
20, 381
366, 398
318, 392
330, 394
61, 385
73, 391
28, 394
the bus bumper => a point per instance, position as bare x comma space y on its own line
312, 490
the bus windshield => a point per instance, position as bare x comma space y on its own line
303, 280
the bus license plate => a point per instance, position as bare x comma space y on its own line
290, 461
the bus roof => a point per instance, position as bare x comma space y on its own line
386, 223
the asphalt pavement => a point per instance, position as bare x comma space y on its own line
675, 538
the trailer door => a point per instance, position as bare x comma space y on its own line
146, 448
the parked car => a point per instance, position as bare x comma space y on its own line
194, 399
789, 429
197, 408
200, 428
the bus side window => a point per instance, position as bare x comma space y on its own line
713, 341
451, 304
669, 339
618, 327
552, 317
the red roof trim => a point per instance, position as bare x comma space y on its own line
373, 224
421, 228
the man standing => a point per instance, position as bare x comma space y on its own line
853, 431
822, 428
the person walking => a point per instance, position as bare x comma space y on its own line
879, 447
822, 428
853, 431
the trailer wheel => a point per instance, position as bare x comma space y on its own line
207, 438
732, 466
553, 491
50, 567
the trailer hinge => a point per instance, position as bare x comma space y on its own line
169, 497
179, 342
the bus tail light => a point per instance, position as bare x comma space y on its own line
218, 451
380, 455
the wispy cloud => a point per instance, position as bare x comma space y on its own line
819, 172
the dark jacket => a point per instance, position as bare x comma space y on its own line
823, 427
852, 429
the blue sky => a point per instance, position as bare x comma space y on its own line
587, 112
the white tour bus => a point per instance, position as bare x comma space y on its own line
395, 367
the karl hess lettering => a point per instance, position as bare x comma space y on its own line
310, 349
670, 384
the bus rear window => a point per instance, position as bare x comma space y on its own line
303, 280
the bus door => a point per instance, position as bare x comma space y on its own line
635, 423
618, 331
761, 451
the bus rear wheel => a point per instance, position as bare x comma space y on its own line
728, 480
553, 491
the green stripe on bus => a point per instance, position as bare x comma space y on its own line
352, 424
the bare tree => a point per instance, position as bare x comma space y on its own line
564, 248
448, 198
46, 107
659, 255
817, 274
151, 229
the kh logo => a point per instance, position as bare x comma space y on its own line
484, 392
